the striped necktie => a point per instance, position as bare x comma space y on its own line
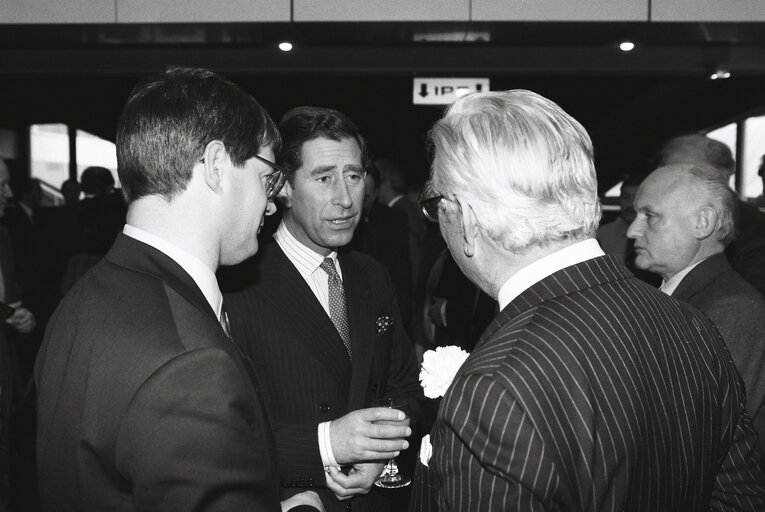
337, 308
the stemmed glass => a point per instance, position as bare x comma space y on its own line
390, 478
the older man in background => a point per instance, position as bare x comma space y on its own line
590, 390
746, 254
685, 219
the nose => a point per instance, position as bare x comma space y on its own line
342, 196
634, 230
270, 208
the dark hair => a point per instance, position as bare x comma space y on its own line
96, 180
393, 173
168, 121
303, 124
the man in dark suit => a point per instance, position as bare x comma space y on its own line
685, 219
322, 325
746, 254
590, 390
144, 401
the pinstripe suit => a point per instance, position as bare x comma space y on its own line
300, 359
593, 391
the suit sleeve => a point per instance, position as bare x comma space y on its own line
477, 416
740, 482
193, 439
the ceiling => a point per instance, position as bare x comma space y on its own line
629, 102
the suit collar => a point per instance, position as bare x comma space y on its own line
587, 274
140, 257
547, 265
700, 276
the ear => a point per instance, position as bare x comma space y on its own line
285, 194
706, 222
215, 159
469, 227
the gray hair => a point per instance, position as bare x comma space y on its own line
524, 165
697, 148
716, 194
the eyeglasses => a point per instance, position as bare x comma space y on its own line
275, 181
430, 206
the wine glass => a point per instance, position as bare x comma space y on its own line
390, 478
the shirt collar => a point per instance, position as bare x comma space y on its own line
548, 265
203, 276
673, 282
306, 260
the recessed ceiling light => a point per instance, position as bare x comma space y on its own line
720, 74
627, 46
285, 46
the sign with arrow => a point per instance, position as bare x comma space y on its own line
443, 91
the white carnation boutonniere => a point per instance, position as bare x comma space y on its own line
439, 367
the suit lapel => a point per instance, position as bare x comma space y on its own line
293, 299
361, 322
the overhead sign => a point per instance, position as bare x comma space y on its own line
443, 91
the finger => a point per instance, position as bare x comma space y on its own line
382, 414
387, 431
334, 477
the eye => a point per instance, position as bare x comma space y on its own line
354, 177
324, 179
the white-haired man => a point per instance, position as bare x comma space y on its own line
590, 390
685, 219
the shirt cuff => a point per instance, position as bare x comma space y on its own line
325, 447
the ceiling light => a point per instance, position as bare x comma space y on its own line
720, 74
285, 46
627, 46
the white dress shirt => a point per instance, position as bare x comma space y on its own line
548, 265
672, 283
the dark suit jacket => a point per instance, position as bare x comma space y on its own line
593, 391
301, 361
738, 311
383, 234
746, 253
144, 403
7, 379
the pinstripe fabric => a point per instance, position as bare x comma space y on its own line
593, 391
301, 361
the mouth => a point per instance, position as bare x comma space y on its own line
343, 221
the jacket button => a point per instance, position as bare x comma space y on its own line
373, 389
324, 407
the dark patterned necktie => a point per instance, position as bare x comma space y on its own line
337, 310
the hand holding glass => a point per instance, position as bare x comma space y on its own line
390, 477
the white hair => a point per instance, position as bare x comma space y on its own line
523, 164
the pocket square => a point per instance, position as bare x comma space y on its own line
384, 325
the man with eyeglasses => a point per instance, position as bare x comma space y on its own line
322, 324
145, 403
590, 390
